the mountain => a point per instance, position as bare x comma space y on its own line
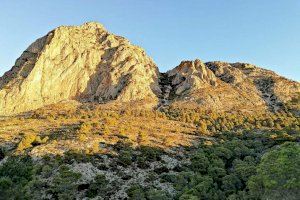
84, 63
214, 130
88, 64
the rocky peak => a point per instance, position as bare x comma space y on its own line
86, 63
191, 75
240, 86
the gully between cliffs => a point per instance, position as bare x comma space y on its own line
167, 89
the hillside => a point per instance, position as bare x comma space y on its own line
68, 151
84, 114
229, 87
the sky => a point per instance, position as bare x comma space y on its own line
262, 32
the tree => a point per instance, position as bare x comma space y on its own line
204, 189
231, 183
64, 183
278, 174
15, 173
200, 162
154, 194
99, 187
136, 192
188, 197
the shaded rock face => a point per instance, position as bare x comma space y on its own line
226, 72
85, 63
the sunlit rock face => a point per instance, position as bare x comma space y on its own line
85, 63
234, 87
191, 75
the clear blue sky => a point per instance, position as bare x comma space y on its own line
262, 32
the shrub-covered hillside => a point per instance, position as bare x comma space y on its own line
98, 152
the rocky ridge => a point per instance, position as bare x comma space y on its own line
222, 86
88, 64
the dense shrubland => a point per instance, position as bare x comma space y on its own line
232, 166
208, 122
173, 153
246, 166
213, 122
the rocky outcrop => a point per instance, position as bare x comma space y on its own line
226, 72
86, 63
190, 76
225, 86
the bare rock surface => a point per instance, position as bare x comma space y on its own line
191, 75
86, 63
222, 86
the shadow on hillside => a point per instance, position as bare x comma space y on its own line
266, 86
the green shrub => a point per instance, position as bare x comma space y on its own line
154, 194
125, 157
199, 162
136, 192
151, 154
99, 187
15, 174
64, 184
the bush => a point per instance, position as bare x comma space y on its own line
30, 140
15, 174
125, 158
150, 154
64, 184
136, 192
99, 187
26, 141
278, 174
200, 162
154, 194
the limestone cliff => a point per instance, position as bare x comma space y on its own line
85, 63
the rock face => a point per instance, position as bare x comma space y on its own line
273, 89
225, 86
191, 75
85, 63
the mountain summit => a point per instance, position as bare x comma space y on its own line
88, 64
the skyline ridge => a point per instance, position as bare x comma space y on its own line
160, 67
262, 33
